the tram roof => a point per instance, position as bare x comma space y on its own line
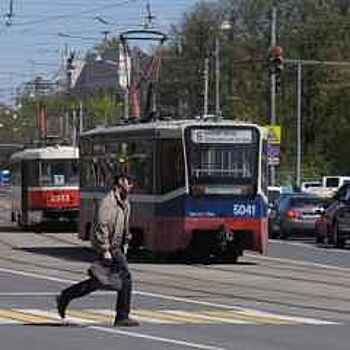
49, 152
163, 126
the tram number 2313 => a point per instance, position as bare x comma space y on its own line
244, 209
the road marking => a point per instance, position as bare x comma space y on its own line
158, 339
207, 317
24, 316
312, 247
251, 319
135, 314
296, 262
168, 297
176, 317
168, 316
184, 343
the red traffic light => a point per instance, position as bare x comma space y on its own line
276, 51
276, 59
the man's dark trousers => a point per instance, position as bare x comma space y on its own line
120, 265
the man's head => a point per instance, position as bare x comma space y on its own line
123, 184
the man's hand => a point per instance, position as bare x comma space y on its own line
107, 259
107, 255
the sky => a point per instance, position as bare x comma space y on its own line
33, 44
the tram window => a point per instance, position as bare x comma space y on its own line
132, 157
222, 164
58, 172
140, 166
87, 173
16, 174
31, 172
171, 166
104, 168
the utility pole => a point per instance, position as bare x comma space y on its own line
206, 86
126, 104
81, 117
299, 143
74, 131
273, 87
217, 76
299, 64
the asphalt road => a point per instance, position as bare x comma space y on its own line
297, 297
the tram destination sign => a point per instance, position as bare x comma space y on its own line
235, 136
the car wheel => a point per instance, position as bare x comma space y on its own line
338, 240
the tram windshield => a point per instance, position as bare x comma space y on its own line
57, 172
223, 160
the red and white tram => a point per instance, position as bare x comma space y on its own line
45, 184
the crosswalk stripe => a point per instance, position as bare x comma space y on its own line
8, 322
134, 314
158, 314
23, 316
206, 318
90, 316
87, 315
249, 318
289, 319
210, 318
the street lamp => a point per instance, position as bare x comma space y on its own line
224, 26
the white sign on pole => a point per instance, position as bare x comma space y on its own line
124, 70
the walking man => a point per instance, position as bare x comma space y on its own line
112, 231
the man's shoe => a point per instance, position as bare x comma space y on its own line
61, 306
126, 322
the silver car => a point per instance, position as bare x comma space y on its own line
297, 214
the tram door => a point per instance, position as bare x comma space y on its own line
24, 191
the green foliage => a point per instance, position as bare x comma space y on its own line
305, 30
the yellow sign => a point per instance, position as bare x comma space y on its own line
273, 133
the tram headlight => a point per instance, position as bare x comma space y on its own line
35, 216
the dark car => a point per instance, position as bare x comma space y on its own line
334, 224
273, 217
297, 214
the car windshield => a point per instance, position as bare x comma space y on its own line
332, 182
304, 201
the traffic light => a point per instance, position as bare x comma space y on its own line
276, 64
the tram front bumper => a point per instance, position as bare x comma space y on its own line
42, 216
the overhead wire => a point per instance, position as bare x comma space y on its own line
74, 14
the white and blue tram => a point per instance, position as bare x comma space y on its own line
200, 185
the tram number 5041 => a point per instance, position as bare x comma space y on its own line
244, 210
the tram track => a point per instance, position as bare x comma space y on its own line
202, 292
315, 281
180, 282
323, 274
281, 266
